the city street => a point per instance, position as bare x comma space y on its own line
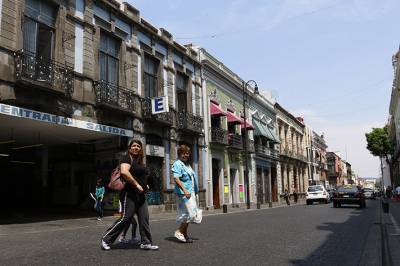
295, 235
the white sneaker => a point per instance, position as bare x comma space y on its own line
104, 245
180, 236
148, 247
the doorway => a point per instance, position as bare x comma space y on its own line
259, 186
216, 169
274, 184
233, 190
155, 166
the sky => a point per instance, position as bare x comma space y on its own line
328, 61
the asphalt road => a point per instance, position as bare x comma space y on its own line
296, 235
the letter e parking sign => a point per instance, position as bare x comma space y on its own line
159, 105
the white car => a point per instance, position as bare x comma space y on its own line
369, 193
317, 193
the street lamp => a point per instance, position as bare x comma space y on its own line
246, 172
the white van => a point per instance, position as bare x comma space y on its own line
317, 193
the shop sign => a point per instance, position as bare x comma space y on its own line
153, 150
159, 105
61, 120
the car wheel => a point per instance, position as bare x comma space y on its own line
308, 202
339, 205
326, 201
334, 205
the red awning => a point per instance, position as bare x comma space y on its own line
249, 126
216, 110
232, 118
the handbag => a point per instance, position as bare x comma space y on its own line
116, 183
198, 215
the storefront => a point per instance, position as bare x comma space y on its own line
50, 161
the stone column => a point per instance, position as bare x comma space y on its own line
269, 192
279, 179
290, 178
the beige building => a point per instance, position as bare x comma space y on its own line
76, 81
293, 160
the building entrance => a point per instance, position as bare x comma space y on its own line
216, 169
155, 166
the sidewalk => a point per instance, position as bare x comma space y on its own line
71, 224
391, 223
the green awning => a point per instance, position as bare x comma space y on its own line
261, 130
274, 135
264, 130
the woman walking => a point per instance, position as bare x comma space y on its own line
134, 172
99, 199
185, 190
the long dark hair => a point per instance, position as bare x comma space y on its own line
139, 158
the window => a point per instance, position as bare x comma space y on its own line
215, 121
181, 87
108, 58
232, 128
38, 33
150, 77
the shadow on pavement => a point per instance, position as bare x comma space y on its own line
36, 216
345, 243
125, 246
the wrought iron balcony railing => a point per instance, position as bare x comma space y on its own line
235, 141
219, 135
162, 118
190, 122
53, 75
115, 96
265, 151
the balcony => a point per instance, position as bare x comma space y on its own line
219, 136
267, 152
190, 122
162, 118
301, 157
50, 75
114, 96
235, 141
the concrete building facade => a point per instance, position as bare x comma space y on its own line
293, 159
76, 81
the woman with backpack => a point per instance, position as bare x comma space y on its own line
135, 174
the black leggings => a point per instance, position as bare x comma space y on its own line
133, 202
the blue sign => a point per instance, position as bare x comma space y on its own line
159, 105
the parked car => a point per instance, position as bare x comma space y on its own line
348, 194
317, 194
369, 193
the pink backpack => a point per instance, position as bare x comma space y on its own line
116, 181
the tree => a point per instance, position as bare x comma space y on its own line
380, 144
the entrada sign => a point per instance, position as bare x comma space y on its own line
61, 120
